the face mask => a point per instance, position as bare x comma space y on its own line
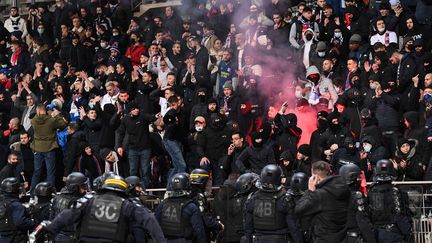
298, 94
334, 127
372, 86
132, 40
427, 98
40, 31
4, 65
199, 129
46, 70
58, 5
91, 106
381, 30
201, 98
338, 34
410, 47
103, 45
367, 148
308, 37
322, 124
314, 79
115, 34
321, 53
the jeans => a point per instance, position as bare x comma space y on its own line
140, 159
50, 163
174, 149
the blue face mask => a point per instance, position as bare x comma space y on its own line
40, 31
427, 98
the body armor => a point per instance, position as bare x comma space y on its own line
266, 215
384, 202
172, 223
6, 224
104, 219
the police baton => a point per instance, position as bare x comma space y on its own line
40, 229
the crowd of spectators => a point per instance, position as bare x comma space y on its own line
85, 86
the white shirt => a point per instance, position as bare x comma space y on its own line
386, 38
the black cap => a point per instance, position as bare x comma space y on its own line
305, 149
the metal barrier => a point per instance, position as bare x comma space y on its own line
420, 203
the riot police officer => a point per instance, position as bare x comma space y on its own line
137, 192
267, 217
198, 180
178, 215
14, 221
245, 185
76, 187
351, 174
41, 209
298, 185
97, 184
389, 212
107, 216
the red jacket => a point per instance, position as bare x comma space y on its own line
134, 54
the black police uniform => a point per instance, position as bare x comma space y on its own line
14, 221
389, 212
106, 218
268, 218
181, 220
65, 200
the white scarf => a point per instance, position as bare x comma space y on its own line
115, 164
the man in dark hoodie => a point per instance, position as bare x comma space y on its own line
288, 134
370, 153
334, 136
326, 202
357, 22
348, 154
315, 139
303, 162
200, 107
136, 126
75, 138
256, 156
409, 161
419, 133
212, 144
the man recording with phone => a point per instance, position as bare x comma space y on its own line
326, 202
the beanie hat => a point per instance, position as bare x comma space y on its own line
305, 149
355, 38
228, 85
321, 46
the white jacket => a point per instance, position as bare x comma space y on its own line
16, 24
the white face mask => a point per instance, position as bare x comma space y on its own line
321, 53
372, 86
103, 44
381, 30
338, 34
298, 94
199, 129
367, 148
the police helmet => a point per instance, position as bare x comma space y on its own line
299, 182
75, 180
10, 185
115, 183
384, 170
246, 182
97, 183
180, 182
271, 177
44, 189
350, 172
133, 181
199, 177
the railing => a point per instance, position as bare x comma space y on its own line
420, 204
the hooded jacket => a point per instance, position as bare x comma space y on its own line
45, 136
327, 206
419, 133
324, 89
414, 168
